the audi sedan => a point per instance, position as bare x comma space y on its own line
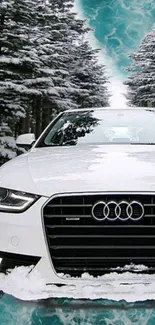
82, 200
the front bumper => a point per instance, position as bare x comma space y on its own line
22, 240
23, 234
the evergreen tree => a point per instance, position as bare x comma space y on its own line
46, 65
7, 144
89, 77
8, 149
16, 25
141, 81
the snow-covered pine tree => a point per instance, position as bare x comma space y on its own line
48, 80
12, 38
7, 141
141, 81
17, 17
23, 81
40, 75
55, 42
8, 147
61, 5
89, 77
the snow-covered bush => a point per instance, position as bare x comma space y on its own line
8, 149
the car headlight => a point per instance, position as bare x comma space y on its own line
15, 201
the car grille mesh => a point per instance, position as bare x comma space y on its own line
78, 243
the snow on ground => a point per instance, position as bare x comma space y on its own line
127, 286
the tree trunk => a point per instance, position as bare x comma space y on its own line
45, 117
27, 121
38, 116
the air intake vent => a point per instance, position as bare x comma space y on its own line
10, 261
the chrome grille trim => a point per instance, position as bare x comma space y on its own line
69, 233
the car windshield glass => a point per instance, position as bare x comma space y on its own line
101, 127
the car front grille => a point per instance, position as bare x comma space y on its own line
79, 243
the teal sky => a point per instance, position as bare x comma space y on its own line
119, 25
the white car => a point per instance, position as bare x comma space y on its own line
82, 200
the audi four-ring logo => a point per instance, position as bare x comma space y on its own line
113, 210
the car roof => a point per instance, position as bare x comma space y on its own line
109, 108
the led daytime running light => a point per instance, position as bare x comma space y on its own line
17, 201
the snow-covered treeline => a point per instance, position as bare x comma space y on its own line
141, 80
46, 66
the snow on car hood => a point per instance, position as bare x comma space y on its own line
90, 168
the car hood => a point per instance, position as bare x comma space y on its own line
91, 168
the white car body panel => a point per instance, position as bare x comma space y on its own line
55, 170
46, 171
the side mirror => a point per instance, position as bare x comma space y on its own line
25, 140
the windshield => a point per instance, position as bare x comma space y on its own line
101, 127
